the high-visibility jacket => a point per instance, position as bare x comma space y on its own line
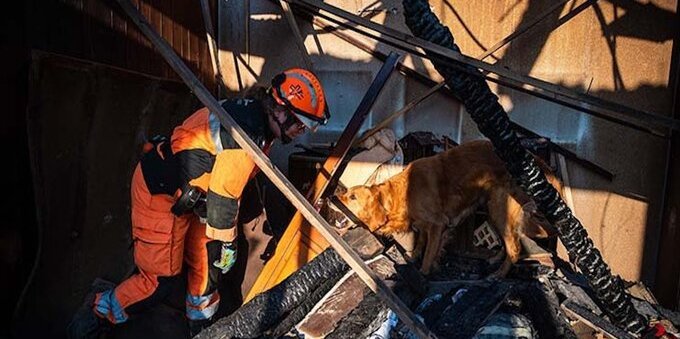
206, 156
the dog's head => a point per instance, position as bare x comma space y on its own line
365, 202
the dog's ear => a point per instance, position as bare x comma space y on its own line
378, 214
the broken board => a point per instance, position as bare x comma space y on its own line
346, 295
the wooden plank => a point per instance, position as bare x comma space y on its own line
299, 41
119, 42
346, 295
156, 65
594, 321
133, 43
177, 30
146, 62
167, 24
652, 123
246, 34
194, 26
275, 175
101, 32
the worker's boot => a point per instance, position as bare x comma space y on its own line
85, 323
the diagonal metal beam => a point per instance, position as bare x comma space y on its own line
274, 174
652, 123
522, 30
408, 107
331, 166
506, 40
323, 21
427, 81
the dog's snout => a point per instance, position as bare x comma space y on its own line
336, 218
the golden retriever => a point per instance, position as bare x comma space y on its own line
442, 190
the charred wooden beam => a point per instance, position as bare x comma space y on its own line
267, 309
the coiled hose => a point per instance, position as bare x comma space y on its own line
473, 91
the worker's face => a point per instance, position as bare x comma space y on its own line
292, 130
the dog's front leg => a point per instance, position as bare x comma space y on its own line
410, 242
513, 248
505, 214
421, 241
433, 235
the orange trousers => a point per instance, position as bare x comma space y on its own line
162, 242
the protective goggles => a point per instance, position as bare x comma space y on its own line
310, 121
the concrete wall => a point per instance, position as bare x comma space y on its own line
618, 50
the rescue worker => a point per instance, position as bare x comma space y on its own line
185, 198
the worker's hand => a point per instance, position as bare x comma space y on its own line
227, 257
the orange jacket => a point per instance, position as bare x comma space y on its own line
210, 159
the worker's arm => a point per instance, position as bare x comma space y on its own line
230, 175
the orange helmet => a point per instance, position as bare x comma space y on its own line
300, 91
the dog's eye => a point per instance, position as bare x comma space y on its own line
352, 196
